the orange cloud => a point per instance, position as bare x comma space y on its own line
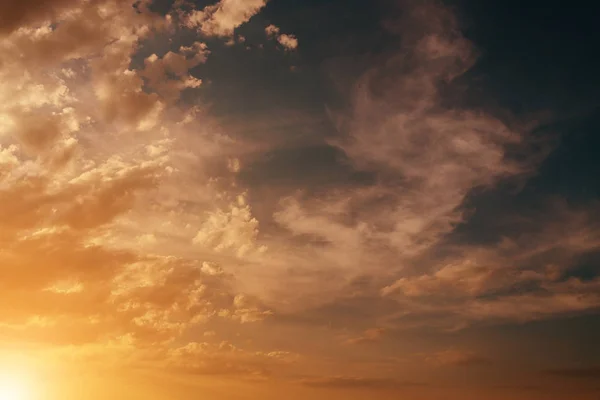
222, 18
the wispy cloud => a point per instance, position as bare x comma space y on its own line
426, 158
523, 278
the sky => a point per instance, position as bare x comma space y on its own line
325, 199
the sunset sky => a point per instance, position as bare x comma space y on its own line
299, 199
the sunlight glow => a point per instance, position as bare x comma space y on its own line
15, 387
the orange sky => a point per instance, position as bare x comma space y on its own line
155, 246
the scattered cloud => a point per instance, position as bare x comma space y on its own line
272, 31
289, 42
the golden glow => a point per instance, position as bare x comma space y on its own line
15, 387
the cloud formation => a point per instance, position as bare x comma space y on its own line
141, 228
426, 158
93, 151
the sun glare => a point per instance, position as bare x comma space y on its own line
14, 387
